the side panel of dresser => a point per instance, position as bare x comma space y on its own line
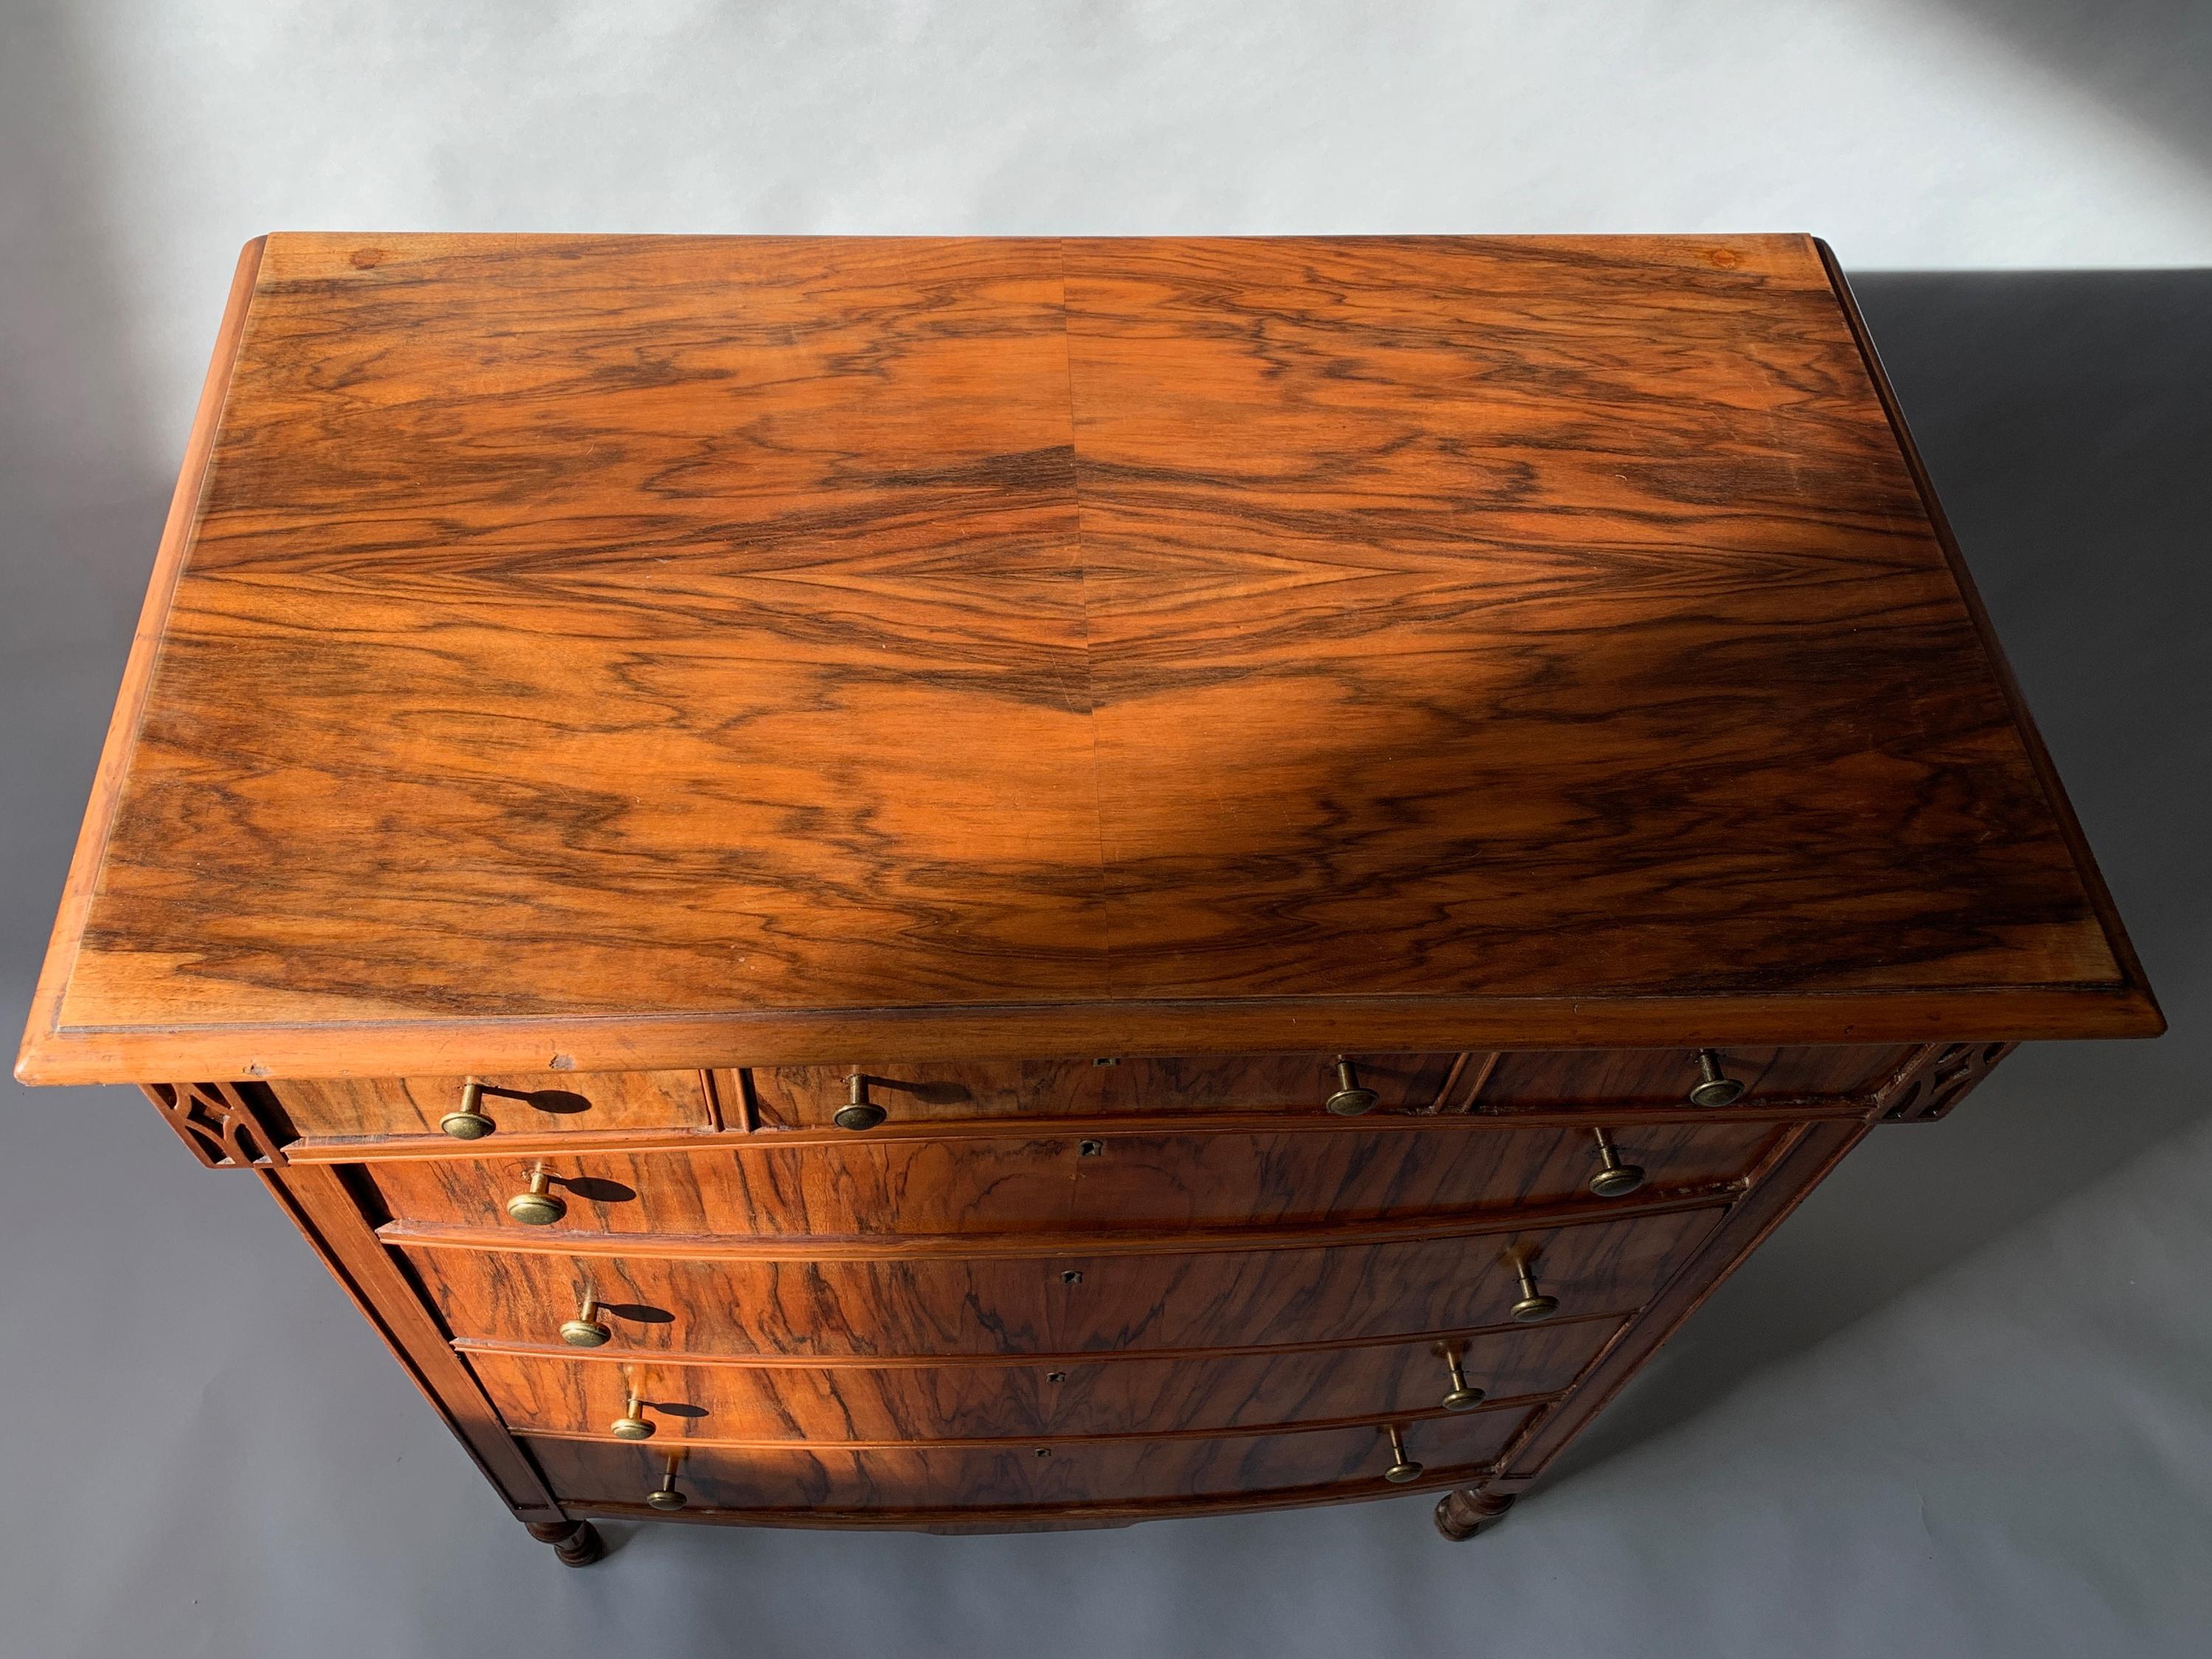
330, 1216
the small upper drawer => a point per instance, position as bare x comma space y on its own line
1608, 1078
810, 1096
373, 1109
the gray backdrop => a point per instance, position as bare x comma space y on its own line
1961, 1405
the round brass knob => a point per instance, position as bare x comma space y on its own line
1712, 1089
1615, 1179
467, 1121
665, 1496
858, 1112
1461, 1397
1402, 1469
1534, 1304
1350, 1100
586, 1329
534, 1207
632, 1424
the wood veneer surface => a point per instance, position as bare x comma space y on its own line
566, 1393
1056, 1304
918, 1477
617, 653
1061, 1183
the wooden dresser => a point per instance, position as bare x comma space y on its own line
997, 883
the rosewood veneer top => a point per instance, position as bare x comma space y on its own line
620, 651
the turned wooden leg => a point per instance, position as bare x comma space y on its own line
577, 1543
1461, 1514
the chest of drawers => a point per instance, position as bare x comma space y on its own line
979, 884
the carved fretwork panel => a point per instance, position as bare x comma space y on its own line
218, 1121
1944, 1074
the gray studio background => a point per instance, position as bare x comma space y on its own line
1962, 1405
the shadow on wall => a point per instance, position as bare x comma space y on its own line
2144, 61
2066, 419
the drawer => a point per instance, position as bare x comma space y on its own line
583, 1392
816, 1479
1610, 1078
754, 1187
803, 1301
371, 1108
810, 1097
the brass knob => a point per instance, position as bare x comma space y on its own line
534, 1207
467, 1121
665, 1496
1712, 1089
858, 1112
1350, 1100
632, 1424
1615, 1179
586, 1329
1461, 1397
1534, 1304
1402, 1469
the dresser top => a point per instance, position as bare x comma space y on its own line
593, 653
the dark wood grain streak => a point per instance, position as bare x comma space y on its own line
949, 1306
761, 1479
1100, 1184
2054, 789
1089, 690
1047, 1398
619, 653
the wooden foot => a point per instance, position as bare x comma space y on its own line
1461, 1514
577, 1543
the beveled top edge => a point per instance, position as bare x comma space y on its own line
837, 1037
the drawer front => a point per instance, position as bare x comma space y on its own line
1600, 1079
809, 1096
754, 1187
573, 1394
369, 1108
947, 1304
816, 1479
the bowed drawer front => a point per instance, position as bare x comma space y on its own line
1109, 1182
966, 884
572, 1392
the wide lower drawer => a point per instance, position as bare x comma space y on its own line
810, 1096
532, 1104
809, 1300
592, 1474
1599, 1079
1102, 1182
573, 1393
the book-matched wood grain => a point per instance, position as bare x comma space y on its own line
571, 1393
1223, 1181
611, 653
1060, 1302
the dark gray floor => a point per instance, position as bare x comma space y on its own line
1961, 1405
